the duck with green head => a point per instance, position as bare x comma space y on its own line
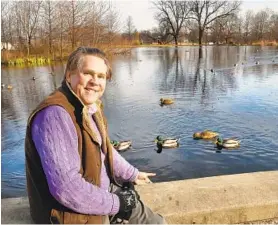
166, 142
227, 143
121, 145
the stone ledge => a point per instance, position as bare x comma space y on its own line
221, 199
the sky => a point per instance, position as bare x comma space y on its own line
142, 11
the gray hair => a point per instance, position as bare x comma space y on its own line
75, 60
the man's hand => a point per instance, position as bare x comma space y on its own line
128, 197
143, 178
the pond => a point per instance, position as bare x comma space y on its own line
239, 98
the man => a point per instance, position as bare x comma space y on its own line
71, 167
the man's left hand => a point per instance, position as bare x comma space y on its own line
143, 178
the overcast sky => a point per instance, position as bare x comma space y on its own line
142, 11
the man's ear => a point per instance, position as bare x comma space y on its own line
68, 76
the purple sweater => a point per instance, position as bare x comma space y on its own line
55, 138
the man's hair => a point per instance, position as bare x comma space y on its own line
75, 60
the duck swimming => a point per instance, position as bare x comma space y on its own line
121, 145
227, 143
206, 134
166, 101
166, 142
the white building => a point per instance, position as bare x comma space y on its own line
7, 46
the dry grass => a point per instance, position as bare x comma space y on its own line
265, 43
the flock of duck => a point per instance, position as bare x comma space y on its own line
228, 143
9, 86
170, 142
161, 142
256, 62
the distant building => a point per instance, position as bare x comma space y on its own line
7, 46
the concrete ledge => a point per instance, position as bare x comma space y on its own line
221, 199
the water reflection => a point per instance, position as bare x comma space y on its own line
235, 100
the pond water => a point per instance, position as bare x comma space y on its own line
239, 98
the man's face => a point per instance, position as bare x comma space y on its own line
89, 83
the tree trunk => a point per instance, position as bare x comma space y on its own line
50, 41
200, 53
201, 32
61, 47
176, 40
28, 46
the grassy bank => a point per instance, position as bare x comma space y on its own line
14, 58
26, 61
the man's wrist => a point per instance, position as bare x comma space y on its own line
134, 175
116, 204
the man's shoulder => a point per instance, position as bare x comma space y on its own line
56, 99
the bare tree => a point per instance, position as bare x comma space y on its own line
112, 24
78, 13
49, 16
163, 33
4, 21
247, 26
193, 34
261, 24
171, 15
96, 22
237, 30
274, 27
130, 28
205, 12
27, 13
62, 27
228, 28
216, 31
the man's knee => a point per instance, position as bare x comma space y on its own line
142, 214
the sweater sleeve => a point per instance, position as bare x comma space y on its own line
122, 168
55, 138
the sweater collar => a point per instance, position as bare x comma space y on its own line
92, 108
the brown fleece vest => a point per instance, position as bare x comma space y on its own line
43, 206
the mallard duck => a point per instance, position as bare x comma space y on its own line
227, 143
166, 142
166, 101
121, 145
206, 134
